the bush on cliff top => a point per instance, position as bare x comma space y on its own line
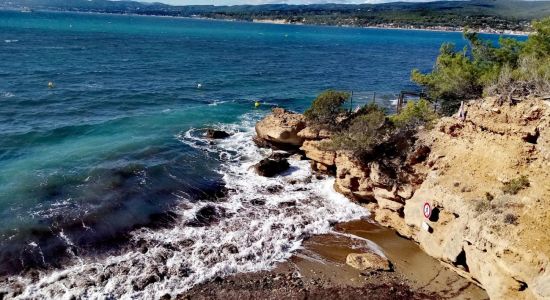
326, 109
414, 114
368, 127
512, 68
365, 131
515, 185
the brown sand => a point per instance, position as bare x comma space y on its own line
319, 271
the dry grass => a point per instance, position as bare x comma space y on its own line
515, 185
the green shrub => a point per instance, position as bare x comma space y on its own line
414, 114
326, 108
369, 108
516, 185
364, 132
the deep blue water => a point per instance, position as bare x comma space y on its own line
98, 155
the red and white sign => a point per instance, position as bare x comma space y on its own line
427, 209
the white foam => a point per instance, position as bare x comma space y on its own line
7, 94
217, 102
249, 236
371, 245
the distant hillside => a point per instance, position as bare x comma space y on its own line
477, 14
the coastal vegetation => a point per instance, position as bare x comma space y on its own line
415, 114
365, 130
361, 131
510, 69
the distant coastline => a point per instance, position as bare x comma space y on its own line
396, 27
390, 26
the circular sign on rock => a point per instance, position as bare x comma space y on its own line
427, 209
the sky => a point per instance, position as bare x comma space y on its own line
235, 2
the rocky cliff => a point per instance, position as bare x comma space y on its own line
487, 179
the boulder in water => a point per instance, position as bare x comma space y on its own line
216, 134
268, 167
368, 261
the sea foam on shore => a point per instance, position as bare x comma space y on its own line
258, 223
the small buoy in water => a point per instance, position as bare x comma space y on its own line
199, 85
257, 103
50, 85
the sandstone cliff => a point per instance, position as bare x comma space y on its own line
498, 240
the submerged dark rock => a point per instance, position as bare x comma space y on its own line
216, 134
270, 167
277, 155
257, 202
206, 216
287, 204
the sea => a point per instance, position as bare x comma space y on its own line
108, 187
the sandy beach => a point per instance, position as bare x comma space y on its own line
319, 271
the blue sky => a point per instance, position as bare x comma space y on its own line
233, 2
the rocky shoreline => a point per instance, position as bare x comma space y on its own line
494, 238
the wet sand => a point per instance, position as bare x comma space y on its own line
319, 271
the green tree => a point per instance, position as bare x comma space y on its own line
512, 68
326, 108
538, 43
455, 77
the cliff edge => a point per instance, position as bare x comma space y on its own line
487, 180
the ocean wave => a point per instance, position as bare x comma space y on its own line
216, 103
7, 94
260, 222
11, 41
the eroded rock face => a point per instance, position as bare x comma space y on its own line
368, 261
469, 161
352, 178
454, 167
314, 151
310, 133
367, 182
281, 127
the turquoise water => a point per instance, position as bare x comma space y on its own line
100, 154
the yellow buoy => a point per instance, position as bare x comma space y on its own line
50, 85
257, 103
